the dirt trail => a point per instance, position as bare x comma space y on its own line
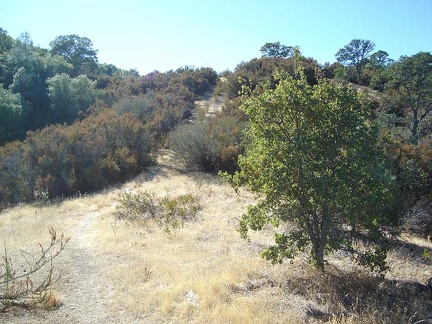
85, 290
211, 103
86, 293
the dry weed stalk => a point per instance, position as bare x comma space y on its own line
29, 287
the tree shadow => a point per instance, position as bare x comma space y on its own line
361, 295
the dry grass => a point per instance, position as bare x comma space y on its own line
205, 273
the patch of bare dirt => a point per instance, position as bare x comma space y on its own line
212, 103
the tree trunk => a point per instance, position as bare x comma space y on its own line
318, 243
318, 254
414, 131
319, 229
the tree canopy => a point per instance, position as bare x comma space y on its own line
11, 115
276, 50
76, 50
355, 54
411, 82
68, 96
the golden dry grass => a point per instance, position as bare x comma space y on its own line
204, 272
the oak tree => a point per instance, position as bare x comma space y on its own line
276, 50
410, 88
68, 96
11, 116
76, 50
355, 54
314, 161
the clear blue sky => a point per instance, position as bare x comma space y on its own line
165, 34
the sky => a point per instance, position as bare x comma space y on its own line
162, 35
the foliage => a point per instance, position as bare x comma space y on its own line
6, 41
419, 219
11, 116
68, 96
76, 50
137, 206
140, 106
410, 92
178, 210
355, 54
49, 96
379, 59
27, 287
99, 148
171, 213
314, 160
276, 50
26, 69
412, 167
355, 296
63, 160
208, 145
172, 96
329, 70
190, 144
261, 70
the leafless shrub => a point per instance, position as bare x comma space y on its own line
419, 220
30, 286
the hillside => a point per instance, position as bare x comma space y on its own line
123, 272
336, 154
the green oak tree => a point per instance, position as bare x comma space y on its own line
11, 116
6, 43
356, 54
76, 50
377, 67
27, 68
276, 50
410, 89
68, 96
315, 163
379, 59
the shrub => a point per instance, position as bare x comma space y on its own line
208, 146
170, 213
411, 164
419, 219
135, 206
191, 147
62, 160
178, 210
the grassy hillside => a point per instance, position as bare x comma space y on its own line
117, 271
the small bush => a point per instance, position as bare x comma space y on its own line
359, 297
190, 143
135, 206
171, 213
419, 219
208, 145
178, 210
